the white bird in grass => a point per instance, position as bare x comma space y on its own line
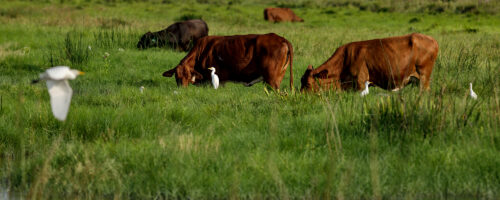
472, 93
59, 90
365, 91
141, 89
215, 78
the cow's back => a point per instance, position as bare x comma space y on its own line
416, 48
197, 27
390, 61
186, 32
233, 52
427, 47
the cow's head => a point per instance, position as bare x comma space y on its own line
309, 80
148, 40
184, 75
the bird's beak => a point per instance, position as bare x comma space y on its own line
81, 73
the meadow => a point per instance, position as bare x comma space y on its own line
241, 142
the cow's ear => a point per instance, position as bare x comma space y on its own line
310, 67
169, 73
322, 74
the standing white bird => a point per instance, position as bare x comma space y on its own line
59, 90
365, 91
141, 89
215, 78
472, 93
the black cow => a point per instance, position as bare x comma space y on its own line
181, 35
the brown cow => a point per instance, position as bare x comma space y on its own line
240, 58
388, 63
281, 15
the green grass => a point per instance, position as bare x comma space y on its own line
239, 142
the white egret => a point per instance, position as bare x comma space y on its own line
141, 89
472, 93
215, 78
365, 91
59, 90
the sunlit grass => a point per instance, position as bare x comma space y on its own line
237, 141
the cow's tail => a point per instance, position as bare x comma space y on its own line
290, 56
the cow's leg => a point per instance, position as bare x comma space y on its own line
410, 77
425, 81
273, 81
360, 72
424, 71
273, 76
274, 69
363, 76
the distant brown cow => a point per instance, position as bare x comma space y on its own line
240, 58
388, 63
181, 35
281, 15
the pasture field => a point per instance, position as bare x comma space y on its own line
241, 142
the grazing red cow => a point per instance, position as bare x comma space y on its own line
388, 63
281, 15
240, 58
